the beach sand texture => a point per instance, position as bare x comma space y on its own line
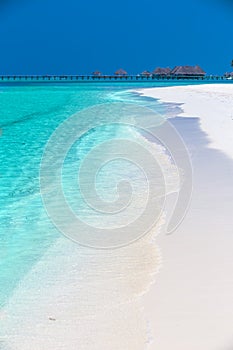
191, 304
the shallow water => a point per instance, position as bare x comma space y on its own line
44, 274
29, 115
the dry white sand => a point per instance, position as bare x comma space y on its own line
212, 103
191, 304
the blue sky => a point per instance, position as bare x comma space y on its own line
79, 36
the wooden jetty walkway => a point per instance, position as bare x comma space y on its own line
102, 78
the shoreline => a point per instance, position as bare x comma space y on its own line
84, 294
212, 104
187, 305
190, 305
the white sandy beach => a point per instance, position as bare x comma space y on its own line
212, 104
191, 304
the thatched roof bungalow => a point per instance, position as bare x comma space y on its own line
121, 72
97, 73
146, 73
162, 71
228, 75
188, 71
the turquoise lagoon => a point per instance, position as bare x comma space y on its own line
28, 116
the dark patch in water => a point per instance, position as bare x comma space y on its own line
29, 117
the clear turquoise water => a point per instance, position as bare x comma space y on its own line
29, 115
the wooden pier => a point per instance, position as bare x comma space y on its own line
103, 78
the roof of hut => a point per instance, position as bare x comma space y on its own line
162, 71
146, 72
121, 72
97, 72
188, 70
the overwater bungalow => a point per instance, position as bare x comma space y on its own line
228, 75
97, 73
188, 71
162, 72
146, 74
121, 72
